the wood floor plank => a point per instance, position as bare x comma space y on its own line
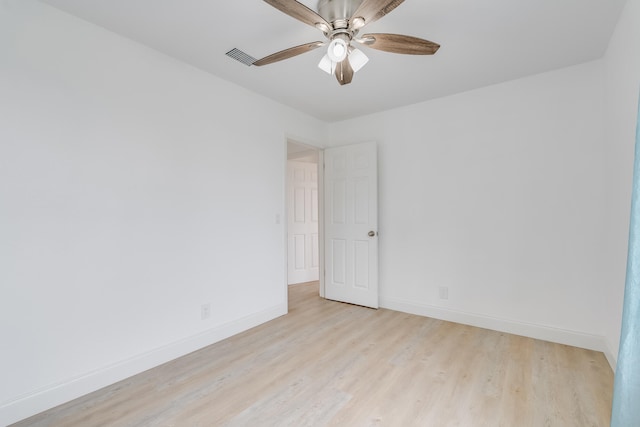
334, 364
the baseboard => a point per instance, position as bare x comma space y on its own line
561, 336
55, 394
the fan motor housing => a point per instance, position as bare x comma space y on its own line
333, 10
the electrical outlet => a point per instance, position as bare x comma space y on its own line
205, 311
443, 292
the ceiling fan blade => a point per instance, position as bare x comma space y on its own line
397, 43
372, 10
344, 72
287, 53
301, 12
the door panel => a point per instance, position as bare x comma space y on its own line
302, 200
351, 213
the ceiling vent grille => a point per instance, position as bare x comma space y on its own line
239, 55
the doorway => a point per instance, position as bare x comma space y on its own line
337, 244
303, 213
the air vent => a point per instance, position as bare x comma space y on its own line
239, 55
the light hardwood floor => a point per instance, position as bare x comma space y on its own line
333, 364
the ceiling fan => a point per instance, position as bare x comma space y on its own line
340, 21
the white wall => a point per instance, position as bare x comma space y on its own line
499, 195
127, 200
623, 86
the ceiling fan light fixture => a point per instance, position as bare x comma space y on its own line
357, 59
338, 50
341, 21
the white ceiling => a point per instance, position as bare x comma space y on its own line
483, 43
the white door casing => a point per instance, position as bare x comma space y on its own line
351, 224
302, 215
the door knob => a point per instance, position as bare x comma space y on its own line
372, 233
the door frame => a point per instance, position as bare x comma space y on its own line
285, 219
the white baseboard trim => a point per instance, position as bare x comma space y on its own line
545, 333
55, 394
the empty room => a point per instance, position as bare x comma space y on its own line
465, 171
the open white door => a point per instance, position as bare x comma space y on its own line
351, 224
302, 214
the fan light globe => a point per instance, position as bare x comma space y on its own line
357, 59
337, 50
327, 65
